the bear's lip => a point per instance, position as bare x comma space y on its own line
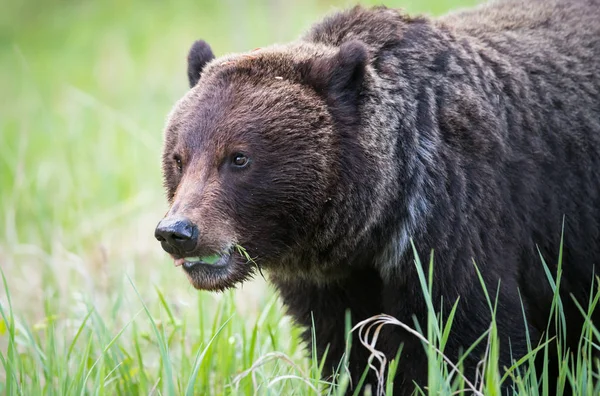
226, 270
212, 259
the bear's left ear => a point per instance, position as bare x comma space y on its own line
340, 78
200, 54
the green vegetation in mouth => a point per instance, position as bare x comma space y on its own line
242, 251
212, 259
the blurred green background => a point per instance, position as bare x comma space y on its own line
85, 90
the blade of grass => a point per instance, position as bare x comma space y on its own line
189, 389
162, 345
106, 349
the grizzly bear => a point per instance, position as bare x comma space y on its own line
475, 136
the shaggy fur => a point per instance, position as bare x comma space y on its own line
476, 134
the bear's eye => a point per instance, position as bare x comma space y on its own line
178, 163
239, 160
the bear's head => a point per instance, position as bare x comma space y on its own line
253, 154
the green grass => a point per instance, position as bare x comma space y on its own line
90, 304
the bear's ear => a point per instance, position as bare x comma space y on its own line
340, 78
200, 54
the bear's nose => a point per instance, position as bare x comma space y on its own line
177, 235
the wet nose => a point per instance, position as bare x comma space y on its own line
177, 235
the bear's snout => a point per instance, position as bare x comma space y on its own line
177, 235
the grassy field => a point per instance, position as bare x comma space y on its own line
90, 303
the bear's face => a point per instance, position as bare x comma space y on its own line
249, 159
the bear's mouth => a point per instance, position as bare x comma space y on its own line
213, 259
216, 271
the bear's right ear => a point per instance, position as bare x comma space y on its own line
200, 54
